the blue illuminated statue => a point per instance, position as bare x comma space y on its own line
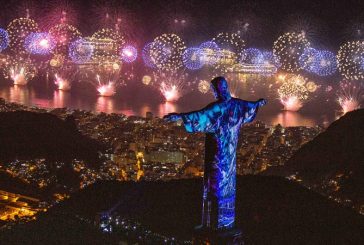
221, 121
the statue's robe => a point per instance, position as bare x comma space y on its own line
221, 121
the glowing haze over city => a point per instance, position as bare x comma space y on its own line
298, 68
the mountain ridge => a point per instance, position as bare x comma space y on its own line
333, 162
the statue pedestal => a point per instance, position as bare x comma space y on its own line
232, 236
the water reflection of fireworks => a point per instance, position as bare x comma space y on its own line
62, 83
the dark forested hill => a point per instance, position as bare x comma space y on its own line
270, 210
333, 163
29, 135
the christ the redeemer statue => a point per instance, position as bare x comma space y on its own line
221, 121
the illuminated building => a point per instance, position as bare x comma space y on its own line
166, 157
15, 206
99, 51
252, 69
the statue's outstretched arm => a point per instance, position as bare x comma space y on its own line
260, 102
203, 120
251, 109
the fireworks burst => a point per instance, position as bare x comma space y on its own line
288, 48
128, 53
20, 70
270, 59
326, 64
297, 79
350, 96
166, 52
64, 34
291, 103
18, 30
41, 43
109, 34
172, 85
192, 58
319, 62
62, 83
227, 60
209, 53
148, 60
58, 12
308, 59
311, 87
350, 59
230, 41
4, 39
308, 26
64, 76
106, 78
106, 90
230, 44
57, 61
254, 61
204, 86
146, 80
170, 93
80, 51
251, 56
293, 92
107, 45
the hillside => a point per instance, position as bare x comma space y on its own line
333, 163
29, 135
15, 185
270, 210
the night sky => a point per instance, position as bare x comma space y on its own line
327, 22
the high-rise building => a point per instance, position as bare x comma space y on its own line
149, 115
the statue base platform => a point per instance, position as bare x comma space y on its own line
203, 236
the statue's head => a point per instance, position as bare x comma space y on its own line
220, 88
